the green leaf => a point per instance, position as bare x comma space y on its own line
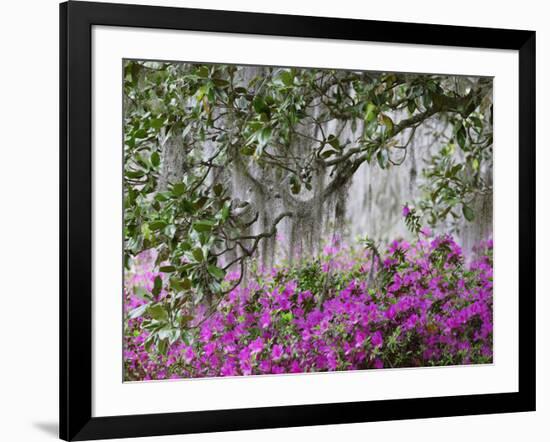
333, 141
260, 106
328, 153
157, 312
178, 189
476, 121
370, 112
198, 255
287, 317
186, 337
141, 133
218, 189
185, 245
134, 174
468, 213
146, 231
286, 78
137, 312
163, 346
155, 159
216, 272
162, 196
203, 226
175, 284
157, 123
148, 343
157, 225
264, 136
387, 122
224, 214
167, 269
295, 185
200, 202
142, 162
248, 150
453, 170
461, 136
180, 285
187, 206
157, 286
202, 72
220, 82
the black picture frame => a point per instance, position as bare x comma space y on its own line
76, 21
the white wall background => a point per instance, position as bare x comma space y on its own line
29, 218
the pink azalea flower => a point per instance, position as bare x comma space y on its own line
265, 319
377, 339
256, 346
426, 231
277, 352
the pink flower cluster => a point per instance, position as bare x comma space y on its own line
424, 306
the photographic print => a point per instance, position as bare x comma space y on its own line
286, 220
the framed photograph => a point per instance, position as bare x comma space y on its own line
273, 221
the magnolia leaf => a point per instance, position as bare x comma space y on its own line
333, 141
157, 312
155, 159
198, 255
328, 153
137, 312
157, 225
178, 189
461, 137
163, 346
203, 225
216, 272
202, 72
157, 286
468, 213
134, 174
387, 122
370, 112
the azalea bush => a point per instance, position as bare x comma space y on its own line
352, 308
